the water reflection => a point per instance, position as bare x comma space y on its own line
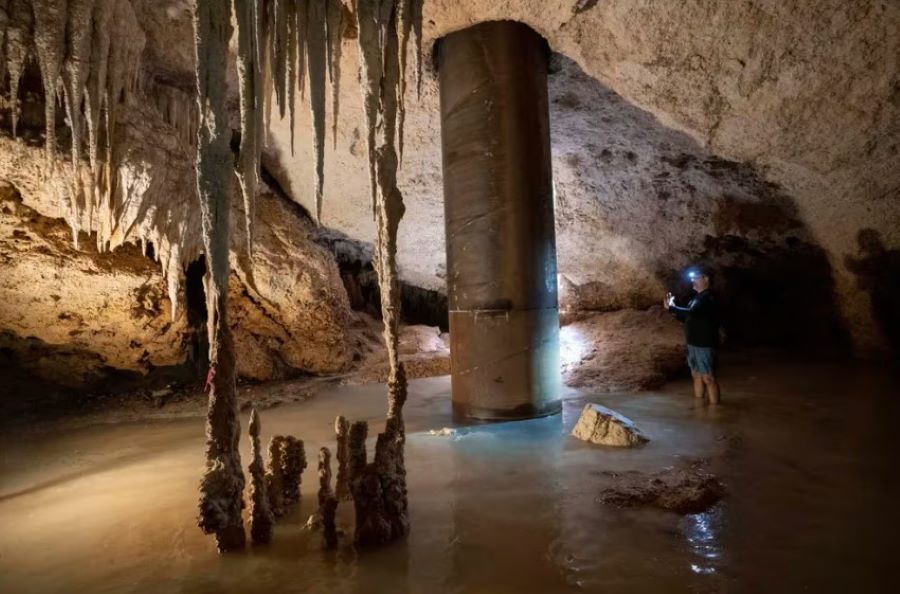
701, 533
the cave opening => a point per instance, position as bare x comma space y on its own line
195, 307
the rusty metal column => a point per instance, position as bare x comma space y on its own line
498, 205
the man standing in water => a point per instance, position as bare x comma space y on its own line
701, 330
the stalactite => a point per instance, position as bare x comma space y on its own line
302, 28
266, 15
96, 83
316, 49
250, 80
49, 42
335, 19
342, 453
4, 21
371, 64
279, 54
261, 517
275, 476
19, 33
417, 6
291, 41
379, 493
221, 491
404, 26
293, 461
327, 501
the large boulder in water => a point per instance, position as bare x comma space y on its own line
603, 426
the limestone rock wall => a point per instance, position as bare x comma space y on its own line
741, 133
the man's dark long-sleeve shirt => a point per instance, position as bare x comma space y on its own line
701, 320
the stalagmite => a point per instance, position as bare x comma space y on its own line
379, 493
261, 517
316, 48
49, 42
342, 453
293, 463
335, 20
275, 476
19, 33
221, 491
327, 501
356, 447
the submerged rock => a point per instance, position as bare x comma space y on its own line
603, 426
686, 490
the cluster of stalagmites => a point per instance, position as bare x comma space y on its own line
378, 489
273, 38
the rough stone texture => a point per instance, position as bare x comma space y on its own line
602, 426
261, 517
111, 307
688, 488
424, 352
625, 350
294, 316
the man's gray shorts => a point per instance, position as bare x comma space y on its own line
701, 360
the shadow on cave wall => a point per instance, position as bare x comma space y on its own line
774, 284
877, 271
642, 184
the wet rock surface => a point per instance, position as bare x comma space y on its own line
686, 489
602, 426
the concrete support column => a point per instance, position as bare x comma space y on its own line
498, 203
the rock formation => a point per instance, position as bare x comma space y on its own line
327, 501
275, 476
602, 426
626, 350
687, 488
221, 491
342, 453
293, 463
261, 517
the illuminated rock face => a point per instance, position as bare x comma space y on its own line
602, 426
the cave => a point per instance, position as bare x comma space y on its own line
409, 295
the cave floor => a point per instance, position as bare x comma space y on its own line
806, 451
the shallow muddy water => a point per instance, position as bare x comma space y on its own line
807, 452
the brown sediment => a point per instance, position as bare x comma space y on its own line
261, 517
221, 491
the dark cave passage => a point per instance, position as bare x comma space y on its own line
196, 339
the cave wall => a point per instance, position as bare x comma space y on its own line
758, 137
659, 112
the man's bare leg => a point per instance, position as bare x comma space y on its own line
698, 384
712, 386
